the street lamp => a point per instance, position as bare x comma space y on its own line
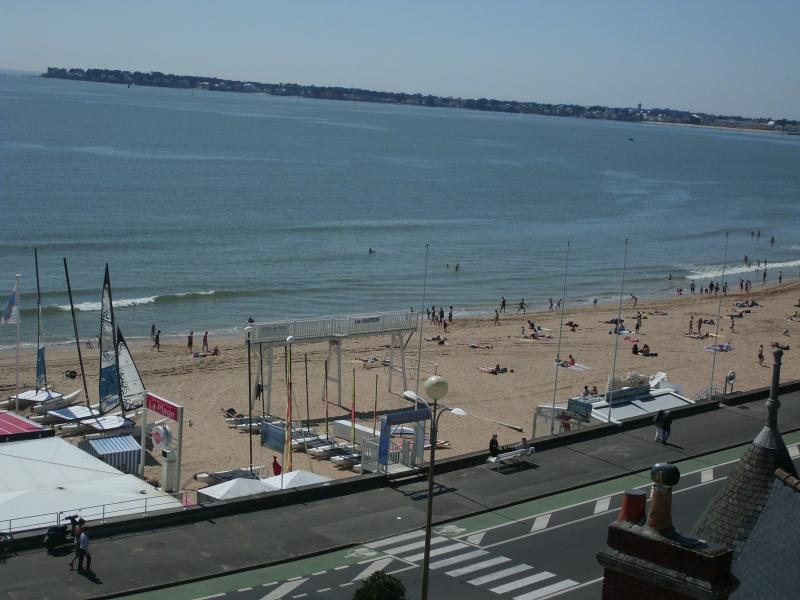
435, 389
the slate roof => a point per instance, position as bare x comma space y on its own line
731, 516
767, 565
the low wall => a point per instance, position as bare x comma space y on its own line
362, 483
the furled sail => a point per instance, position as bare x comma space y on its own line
41, 370
130, 380
109, 367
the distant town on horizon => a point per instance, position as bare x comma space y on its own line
654, 115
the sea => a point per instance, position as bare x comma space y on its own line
213, 207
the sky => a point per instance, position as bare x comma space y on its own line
718, 56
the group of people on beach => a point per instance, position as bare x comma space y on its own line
155, 337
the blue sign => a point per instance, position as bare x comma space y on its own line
273, 436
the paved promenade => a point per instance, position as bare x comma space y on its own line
154, 558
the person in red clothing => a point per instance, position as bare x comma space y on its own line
276, 466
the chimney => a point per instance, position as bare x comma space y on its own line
651, 560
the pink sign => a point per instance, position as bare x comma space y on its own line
163, 407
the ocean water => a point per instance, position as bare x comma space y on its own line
212, 207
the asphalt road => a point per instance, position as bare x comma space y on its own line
534, 550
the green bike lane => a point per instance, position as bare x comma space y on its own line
694, 471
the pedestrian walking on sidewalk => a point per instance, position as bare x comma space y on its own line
658, 421
77, 543
666, 426
83, 549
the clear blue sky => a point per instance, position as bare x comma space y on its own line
734, 56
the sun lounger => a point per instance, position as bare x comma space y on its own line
346, 461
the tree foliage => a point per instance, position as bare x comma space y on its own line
381, 586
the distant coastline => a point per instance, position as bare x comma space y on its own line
631, 114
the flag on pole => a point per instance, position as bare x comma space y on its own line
11, 309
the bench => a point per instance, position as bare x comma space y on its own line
521, 454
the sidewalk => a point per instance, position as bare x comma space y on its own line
155, 558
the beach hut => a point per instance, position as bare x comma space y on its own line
122, 452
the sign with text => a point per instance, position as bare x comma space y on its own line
163, 407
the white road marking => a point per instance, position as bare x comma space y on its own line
284, 589
323, 590
515, 585
340, 568
476, 538
395, 539
498, 560
706, 475
318, 573
378, 565
457, 559
794, 451
345, 584
270, 583
602, 505
548, 591
413, 546
212, 596
244, 589
541, 522
437, 552
300, 596
294, 578
500, 574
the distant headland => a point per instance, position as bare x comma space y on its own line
655, 115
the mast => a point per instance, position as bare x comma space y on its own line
719, 314
19, 323
610, 387
41, 369
110, 386
77, 337
558, 351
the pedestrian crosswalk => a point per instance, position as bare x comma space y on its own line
500, 575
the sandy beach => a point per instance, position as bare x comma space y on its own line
206, 385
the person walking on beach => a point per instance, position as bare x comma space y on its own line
780, 276
494, 446
502, 304
441, 314
522, 306
558, 304
496, 317
205, 342
691, 287
638, 322
699, 325
635, 300
450, 314
691, 324
764, 277
733, 324
83, 549
276, 466
761, 355
157, 341
152, 332
551, 303
189, 342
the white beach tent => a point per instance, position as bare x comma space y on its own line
244, 486
294, 479
43, 477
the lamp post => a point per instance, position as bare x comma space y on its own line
435, 389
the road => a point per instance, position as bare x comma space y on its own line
539, 549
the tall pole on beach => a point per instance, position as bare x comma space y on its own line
19, 323
610, 390
558, 351
719, 313
421, 321
308, 408
249, 404
327, 433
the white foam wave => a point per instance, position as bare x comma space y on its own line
206, 293
124, 302
714, 271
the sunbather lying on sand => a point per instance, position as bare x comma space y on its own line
496, 370
779, 345
480, 347
660, 313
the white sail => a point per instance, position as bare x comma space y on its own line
130, 380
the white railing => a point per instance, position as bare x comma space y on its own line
333, 327
98, 514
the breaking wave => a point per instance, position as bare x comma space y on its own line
713, 271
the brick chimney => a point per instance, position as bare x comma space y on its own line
651, 560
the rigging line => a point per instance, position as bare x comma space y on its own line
558, 351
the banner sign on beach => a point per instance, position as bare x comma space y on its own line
314, 330
163, 407
273, 436
579, 408
398, 418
